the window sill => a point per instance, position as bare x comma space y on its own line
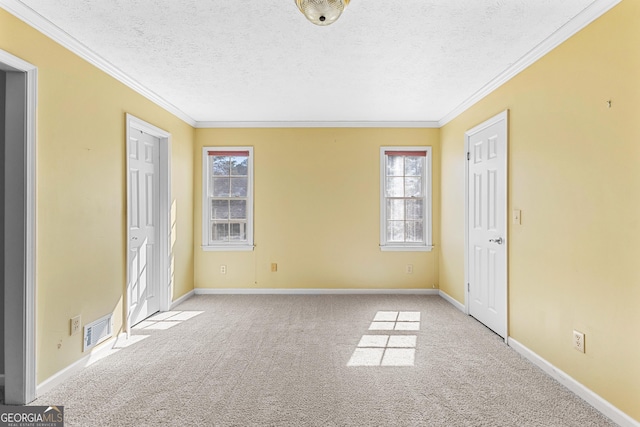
391, 248
229, 248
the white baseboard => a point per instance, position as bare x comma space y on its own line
600, 404
453, 301
317, 291
182, 299
99, 352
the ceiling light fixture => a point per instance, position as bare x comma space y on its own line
322, 12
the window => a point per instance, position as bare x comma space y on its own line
227, 213
405, 199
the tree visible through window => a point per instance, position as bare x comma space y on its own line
406, 197
228, 211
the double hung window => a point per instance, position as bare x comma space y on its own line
405, 200
228, 198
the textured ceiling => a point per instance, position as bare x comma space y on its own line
261, 60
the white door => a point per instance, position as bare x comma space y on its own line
486, 223
143, 286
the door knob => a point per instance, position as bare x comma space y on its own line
498, 240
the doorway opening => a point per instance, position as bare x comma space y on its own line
148, 169
17, 227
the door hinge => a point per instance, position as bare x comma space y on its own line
468, 288
468, 155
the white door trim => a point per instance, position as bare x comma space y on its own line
164, 220
22, 370
503, 116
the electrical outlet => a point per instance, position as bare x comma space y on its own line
274, 267
223, 269
578, 341
409, 269
75, 325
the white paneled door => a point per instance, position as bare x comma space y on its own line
486, 223
143, 287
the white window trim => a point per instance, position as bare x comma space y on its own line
427, 246
231, 246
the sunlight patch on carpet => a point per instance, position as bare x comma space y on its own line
384, 316
402, 341
166, 320
388, 350
366, 357
396, 320
373, 341
399, 357
382, 326
407, 326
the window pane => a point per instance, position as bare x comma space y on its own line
238, 209
395, 187
395, 209
395, 231
228, 185
405, 210
220, 187
220, 232
239, 165
414, 209
239, 187
219, 209
413, 187
220, 165
395, 165
238, 231
414, 231
413, 166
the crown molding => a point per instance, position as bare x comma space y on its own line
294, 124
46, 27
562, 34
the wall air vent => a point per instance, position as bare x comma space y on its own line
98, 331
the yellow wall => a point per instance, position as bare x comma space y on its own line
81, 225
317, 216
574, 171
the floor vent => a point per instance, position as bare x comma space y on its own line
98, 331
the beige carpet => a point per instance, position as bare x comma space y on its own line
283, 361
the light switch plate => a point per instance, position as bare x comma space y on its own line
517, 216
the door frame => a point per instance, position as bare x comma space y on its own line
503, 116
20, 303
164, 221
